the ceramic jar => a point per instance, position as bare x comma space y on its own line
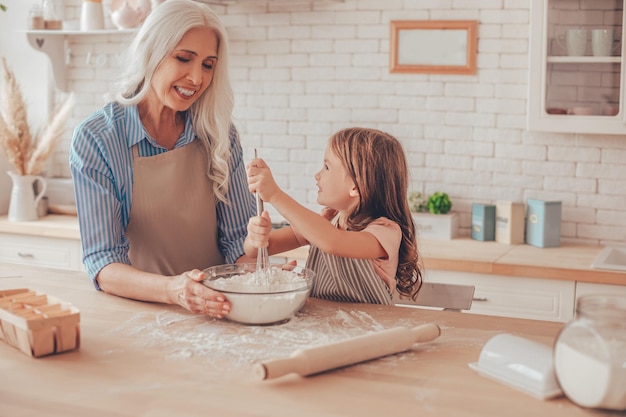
590, 353
126, 17
24, 202
92, 15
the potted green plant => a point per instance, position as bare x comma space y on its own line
439, 203
432, 216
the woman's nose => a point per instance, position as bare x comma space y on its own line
195, 75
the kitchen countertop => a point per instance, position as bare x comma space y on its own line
144, 359
53, 225
567, 262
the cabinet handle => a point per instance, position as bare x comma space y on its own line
25, 255
479, 299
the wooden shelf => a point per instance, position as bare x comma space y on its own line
54, 44
585, 59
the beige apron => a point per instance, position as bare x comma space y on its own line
173, 225
346, 279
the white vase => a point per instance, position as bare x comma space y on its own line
24, 201
5, 185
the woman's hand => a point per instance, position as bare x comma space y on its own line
187, 291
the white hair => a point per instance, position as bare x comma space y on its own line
211, 114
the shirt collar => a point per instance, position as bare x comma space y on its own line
133, 124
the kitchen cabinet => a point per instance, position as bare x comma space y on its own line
55, 44
576, 68
585, 288
41, 251
519, 297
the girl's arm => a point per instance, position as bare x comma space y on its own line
323, 234
316, 229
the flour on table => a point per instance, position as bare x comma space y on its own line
234, 347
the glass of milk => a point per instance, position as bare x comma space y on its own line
590, 353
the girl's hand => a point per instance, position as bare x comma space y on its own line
259, 228
260, 180
189, 293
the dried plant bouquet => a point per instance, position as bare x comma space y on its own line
27, 154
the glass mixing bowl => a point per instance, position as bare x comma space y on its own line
256, 298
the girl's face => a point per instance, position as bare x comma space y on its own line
187, 72
335, 187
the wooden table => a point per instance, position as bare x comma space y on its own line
141, 359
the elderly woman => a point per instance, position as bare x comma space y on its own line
158, 171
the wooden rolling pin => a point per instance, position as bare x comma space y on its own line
348, 352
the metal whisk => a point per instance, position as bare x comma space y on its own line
262, 258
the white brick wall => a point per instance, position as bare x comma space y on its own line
305, 69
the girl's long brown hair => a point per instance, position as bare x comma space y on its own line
376, 162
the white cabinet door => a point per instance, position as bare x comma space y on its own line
570, 90
41, 251
529, 298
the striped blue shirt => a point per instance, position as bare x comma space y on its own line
102, 170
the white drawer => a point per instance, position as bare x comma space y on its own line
529, 298
41, 251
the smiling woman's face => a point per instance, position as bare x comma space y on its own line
187, 72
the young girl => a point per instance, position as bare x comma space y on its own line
363, 245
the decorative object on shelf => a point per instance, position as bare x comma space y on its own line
27, 155
543, 223
510, 222
24, 201
432, 218
417, 203
483, 222
602, 42
53, 14
128, 14
439, 203
92, 15
574, 41
35, 17
433, 46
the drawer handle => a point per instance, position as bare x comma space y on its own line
25, 255
479, 299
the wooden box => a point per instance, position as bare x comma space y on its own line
38, 324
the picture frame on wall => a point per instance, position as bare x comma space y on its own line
433, 46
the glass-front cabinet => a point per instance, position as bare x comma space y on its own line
576, 66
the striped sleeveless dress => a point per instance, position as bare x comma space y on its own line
346, 279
